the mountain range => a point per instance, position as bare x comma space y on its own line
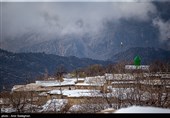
19, 68
103, 44
100, 46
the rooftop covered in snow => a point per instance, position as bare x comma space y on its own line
77, 93
67, 82
27, 87
134, 67
89, 84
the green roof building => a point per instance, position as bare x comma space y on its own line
137, 61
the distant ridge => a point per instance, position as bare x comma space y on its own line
147, 54
18, 68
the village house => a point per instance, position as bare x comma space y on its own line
110, 87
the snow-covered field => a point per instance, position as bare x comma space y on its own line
142, 109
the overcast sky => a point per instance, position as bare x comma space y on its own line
61, 18
64, 18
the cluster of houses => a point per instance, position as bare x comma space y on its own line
109, 87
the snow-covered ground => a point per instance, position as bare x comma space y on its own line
95, 108
142, 109
8, 110
87, 108
54, 105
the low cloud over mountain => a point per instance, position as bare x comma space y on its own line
84, 29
